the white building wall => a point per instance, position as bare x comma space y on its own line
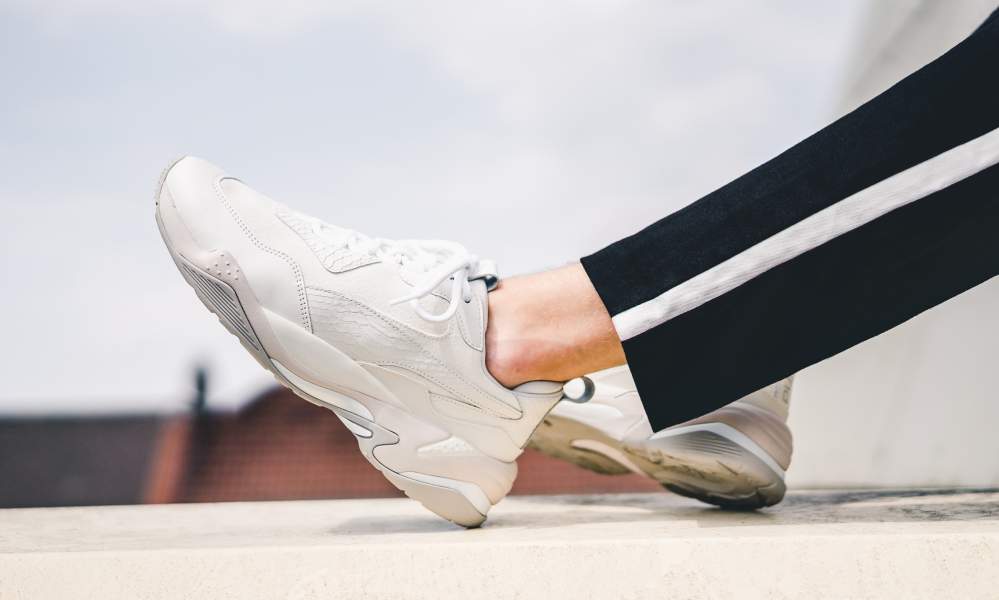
918, 405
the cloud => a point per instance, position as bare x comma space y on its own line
532, 132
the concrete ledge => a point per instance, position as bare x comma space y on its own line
828, 545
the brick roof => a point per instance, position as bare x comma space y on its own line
278, 447
281, 447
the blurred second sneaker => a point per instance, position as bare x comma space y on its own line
734, 457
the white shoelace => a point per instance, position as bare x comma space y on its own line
439, 259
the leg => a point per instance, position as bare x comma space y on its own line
552, 325
876, 218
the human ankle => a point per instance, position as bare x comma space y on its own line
549, 326
514, 355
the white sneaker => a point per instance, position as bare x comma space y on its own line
388, 335
734, 457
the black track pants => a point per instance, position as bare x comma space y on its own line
885, 213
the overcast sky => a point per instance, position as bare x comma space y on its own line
531, 132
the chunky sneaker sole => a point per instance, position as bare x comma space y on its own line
717, 463
734, 457
583, 445
448, 475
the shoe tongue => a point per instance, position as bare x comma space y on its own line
336, 235
332, 234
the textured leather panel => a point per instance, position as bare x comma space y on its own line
336, 258
368, 336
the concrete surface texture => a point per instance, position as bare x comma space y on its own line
915, 406
815, 545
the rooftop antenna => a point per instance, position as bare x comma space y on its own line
200, 402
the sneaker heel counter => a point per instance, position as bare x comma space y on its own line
536, 399
775, 398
